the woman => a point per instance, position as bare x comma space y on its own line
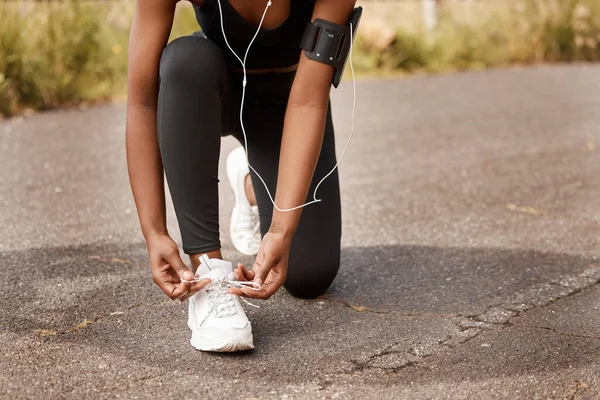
194, 86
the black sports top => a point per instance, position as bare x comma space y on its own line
272, 48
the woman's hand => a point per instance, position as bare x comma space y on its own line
269, 269
168, 269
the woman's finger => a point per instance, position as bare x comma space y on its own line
172, 290
269, 288
260, 271
266, 291
273, 282
179, 266
250, 275
186, 296
242, 274
194, 287
197, 286
239, 274
253, 294
261, 294
183, 296
236, 291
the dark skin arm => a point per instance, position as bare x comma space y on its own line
301, 144
149, 34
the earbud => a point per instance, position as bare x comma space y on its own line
245, 82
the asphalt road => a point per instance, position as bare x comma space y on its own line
471, 211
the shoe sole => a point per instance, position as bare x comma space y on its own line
233, 182
208, 342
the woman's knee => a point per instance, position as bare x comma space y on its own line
192, 59
311, 281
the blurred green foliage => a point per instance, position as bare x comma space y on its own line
518, 32
62, 54
68, 51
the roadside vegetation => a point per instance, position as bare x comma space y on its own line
65, 52
499, 34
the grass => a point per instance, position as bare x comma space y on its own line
70, 51
63, 55
517, 32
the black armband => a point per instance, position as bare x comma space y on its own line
329, 43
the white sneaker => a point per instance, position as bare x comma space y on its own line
216, 318
245, 223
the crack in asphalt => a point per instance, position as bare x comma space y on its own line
494, 317
362, 365
571, 334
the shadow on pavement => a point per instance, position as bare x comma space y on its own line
387, 305
61, 286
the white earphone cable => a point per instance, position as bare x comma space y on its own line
244, 82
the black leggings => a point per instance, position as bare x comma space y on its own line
199, 102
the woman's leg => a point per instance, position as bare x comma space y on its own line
315, 252
193, 78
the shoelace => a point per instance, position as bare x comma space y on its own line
217, 290
220, 303
223, 284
